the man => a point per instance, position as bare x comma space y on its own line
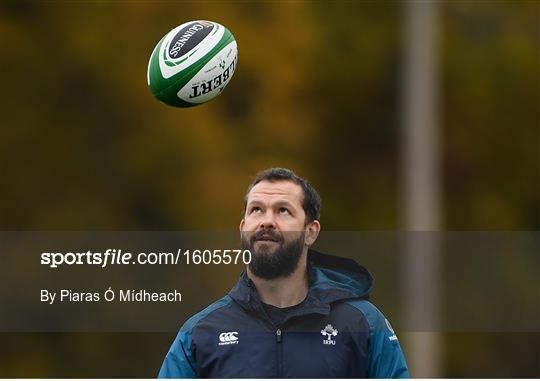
294, 313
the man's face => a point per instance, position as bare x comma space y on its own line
274, 228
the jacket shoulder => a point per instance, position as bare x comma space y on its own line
385, 357
180, 361
373, 316
195, 319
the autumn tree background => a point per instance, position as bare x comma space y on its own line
318, 86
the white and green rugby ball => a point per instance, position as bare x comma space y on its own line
192, 63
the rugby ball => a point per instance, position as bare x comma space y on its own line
192, 63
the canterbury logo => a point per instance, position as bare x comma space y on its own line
228, 338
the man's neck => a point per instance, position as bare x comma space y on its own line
283, 292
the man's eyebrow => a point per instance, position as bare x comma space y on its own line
285, 203
253, 203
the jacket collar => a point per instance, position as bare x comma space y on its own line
330, 279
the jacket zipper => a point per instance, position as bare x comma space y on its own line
279, 339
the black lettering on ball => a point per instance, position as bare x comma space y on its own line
188, 37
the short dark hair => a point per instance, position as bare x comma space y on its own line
311, 201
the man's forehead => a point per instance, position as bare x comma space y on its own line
282, 189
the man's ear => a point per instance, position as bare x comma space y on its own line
312, 232
242, 224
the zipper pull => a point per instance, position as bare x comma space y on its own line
278, 335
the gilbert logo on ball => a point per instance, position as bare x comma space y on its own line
192, 63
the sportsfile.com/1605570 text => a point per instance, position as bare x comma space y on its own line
119, 257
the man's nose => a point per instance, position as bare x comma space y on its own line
267, 221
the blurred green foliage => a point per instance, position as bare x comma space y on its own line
84, 146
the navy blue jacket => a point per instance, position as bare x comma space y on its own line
337, 333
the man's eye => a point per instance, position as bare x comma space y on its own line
284, 210
255, 209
